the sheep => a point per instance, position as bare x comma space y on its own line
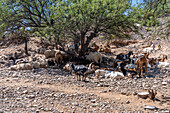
79, 60
22, 66
94, 57
14, 67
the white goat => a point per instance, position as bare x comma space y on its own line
94, 57
101, 72
114, 75
163, 64
149, 49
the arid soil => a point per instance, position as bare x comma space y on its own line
54, 90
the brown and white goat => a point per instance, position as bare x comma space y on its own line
141, 64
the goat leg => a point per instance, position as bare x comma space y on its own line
85, 76
146, 70
77, 77
141, 71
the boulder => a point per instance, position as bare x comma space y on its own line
21, 66
43, 64
14, 67
36, 65
28, 66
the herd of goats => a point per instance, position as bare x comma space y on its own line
95, 63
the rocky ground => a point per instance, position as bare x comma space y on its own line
54, 90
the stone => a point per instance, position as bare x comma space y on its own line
127, 102
2, 62
28, 66
143, 95
164, 83
36, 65
150, 107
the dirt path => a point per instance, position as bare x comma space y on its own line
66, 89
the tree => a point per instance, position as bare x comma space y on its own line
95, 17
80, 20
152, 9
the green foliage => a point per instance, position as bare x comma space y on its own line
79, 19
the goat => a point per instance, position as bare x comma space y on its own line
163, 58
127, 70
58, 57
49, 53
17, 61
106, 44
142, 61
114, 75
152, 94
124, 57
132, 60
101, 72
51, 62
94, 57
66, 67
152, 61
105, 49
91, 70
79, 70
149, 49
80, 60
95, 47
163, 64
73, 46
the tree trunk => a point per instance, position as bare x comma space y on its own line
84, 46
82, 50
26, 45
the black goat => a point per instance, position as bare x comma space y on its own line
132, 60
80, 60
124, 57
51, 62
16, 61
125, 72
79, 70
